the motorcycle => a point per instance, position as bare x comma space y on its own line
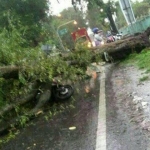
118, 36
58, 92
110, 39
61, 92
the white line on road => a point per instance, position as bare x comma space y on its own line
101, 128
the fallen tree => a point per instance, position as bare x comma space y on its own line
116, 51
32, 95
127, 45
9, 72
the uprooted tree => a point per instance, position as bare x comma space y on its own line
122, 48
27, 81
25, 71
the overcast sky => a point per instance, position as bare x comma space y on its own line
63, 4
58, 7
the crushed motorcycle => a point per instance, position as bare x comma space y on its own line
61, 92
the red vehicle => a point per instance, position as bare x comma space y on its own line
81, 36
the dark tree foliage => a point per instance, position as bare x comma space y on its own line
25, 15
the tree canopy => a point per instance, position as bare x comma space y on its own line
141, 8
25, 15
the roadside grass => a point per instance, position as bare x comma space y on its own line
142, 60
144, 78
11, 135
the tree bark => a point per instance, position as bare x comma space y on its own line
111, 20
43, 99
9, 72
120, 49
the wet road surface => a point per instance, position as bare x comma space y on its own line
54, 134
122, 132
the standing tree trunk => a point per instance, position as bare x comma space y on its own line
111, 20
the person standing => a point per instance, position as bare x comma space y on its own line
97, 36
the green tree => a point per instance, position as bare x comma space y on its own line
71, 14
96, 18
66, 16
26, 15
141, 8
107, 7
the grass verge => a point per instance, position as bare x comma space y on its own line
142, 60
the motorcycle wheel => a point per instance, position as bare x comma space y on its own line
59, 95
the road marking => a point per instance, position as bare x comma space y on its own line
101, 128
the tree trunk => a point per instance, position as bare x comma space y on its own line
9, 72
111, 20
120, 49
42, 99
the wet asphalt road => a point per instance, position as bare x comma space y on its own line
54, 134
122, 133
